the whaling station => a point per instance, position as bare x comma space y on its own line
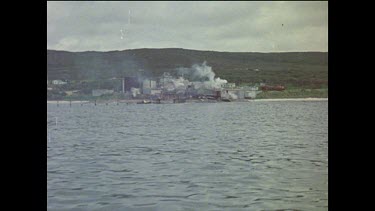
166, 88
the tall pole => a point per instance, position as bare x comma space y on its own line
123, 85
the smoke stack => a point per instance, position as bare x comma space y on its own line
123, 85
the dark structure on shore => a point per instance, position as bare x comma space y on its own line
131, 82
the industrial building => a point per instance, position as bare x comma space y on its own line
100, 92
151, 84
229, 85
130, 82
168, 88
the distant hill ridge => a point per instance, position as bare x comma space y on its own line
297, 68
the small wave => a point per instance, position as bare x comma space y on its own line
110, 154
139, 205
122, 196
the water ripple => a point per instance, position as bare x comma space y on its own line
232, 156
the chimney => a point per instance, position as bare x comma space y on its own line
123, 85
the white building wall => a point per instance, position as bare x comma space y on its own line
250, 94
135, 91
149, 84
155, 91
100, 92
58, 82
229, 85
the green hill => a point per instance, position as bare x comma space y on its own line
300, 69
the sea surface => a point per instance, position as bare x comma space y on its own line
194, 156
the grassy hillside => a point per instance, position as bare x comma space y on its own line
297, 69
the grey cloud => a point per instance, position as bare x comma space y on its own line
221, 26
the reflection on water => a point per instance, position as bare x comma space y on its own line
219, 156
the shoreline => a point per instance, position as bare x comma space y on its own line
292, 99
65, 101
138, 100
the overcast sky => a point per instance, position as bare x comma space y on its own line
218, 26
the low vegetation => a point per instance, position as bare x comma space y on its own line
300, 69
304, 74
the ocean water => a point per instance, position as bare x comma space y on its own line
197, 156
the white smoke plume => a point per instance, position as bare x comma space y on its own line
203, 73
135, 92
233, 96
215, 84
180, 83
173, 83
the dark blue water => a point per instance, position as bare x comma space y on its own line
216, 156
